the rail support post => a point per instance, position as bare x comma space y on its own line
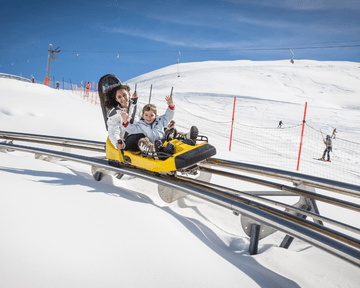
256, 231
7, 142
288, 239
305, 204
254, 239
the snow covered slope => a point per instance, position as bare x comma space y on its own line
60, 228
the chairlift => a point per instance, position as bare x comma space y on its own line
292, 58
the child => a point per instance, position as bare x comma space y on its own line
153, 127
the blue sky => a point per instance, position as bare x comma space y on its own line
148, 35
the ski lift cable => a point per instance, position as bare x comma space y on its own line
203, 50
216, 50
22, 60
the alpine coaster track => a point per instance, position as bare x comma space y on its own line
260, 216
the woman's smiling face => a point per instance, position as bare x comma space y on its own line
122, 97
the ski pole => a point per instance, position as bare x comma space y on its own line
171, 92
150, 93
135, 93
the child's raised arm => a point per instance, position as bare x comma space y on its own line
169, 101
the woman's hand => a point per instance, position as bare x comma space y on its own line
120, 146
124, 115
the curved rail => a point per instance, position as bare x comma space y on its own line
336, 243
313, 181
296, 191
294, 177
288, 207
95, 146
10, 76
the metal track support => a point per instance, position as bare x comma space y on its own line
254, 239
288, 239
305, 204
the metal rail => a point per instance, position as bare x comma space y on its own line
279, 204
313, 181
293, 190
9, 76
336, 243
95, 146
294, 177
284, 175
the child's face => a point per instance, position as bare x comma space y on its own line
149, 116
122, 97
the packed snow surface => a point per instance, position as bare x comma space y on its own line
61, 228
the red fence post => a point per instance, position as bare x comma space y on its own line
301, 140
47, 81
232, 124
92, 94
97, 88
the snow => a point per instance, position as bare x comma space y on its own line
61, 228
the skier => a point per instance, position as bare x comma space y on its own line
328, 148
333, 134
280, 124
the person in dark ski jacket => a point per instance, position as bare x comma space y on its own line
328, 148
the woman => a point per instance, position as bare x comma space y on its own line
117, 99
